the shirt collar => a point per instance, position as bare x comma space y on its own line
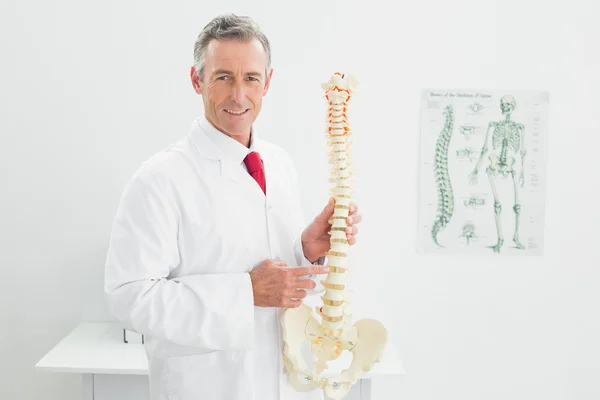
234, 150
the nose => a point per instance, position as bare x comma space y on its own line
238, 92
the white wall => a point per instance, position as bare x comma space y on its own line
91, 89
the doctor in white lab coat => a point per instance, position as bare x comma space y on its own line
203, 261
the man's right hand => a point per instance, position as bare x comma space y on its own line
275, 284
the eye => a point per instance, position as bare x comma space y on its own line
252, 78
222, 78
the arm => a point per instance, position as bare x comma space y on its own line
299, 226
297, 223
213, 311
523, 152
484, 149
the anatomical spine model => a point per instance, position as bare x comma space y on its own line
329, 332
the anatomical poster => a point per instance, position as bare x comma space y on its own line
483, 159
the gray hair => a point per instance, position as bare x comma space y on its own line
228, 27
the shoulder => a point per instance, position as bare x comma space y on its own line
159, 171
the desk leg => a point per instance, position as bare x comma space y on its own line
361, 390
121, 387
88, 387
365, 389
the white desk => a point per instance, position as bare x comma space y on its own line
113, 370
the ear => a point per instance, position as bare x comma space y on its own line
268, 82
195, 80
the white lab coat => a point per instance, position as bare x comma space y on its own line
191, 225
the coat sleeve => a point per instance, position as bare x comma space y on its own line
211, 311
300, 224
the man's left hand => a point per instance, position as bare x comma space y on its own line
315, 238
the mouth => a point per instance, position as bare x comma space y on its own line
236, 112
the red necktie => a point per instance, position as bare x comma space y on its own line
255, 168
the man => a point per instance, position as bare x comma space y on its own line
208, 246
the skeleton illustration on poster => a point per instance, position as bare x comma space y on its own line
483, 172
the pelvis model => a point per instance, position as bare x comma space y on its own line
328, 327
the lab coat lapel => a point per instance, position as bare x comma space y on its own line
229, 170
270, 173
238, 174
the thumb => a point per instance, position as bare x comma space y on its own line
327, 212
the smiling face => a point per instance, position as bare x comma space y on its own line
233, 85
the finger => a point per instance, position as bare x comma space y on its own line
353, 208
309, 270
298, 294
351, 239
354, 219
291, 303
351, 230
304, 284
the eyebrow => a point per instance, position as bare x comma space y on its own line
227, 72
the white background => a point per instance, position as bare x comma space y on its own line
89, 90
